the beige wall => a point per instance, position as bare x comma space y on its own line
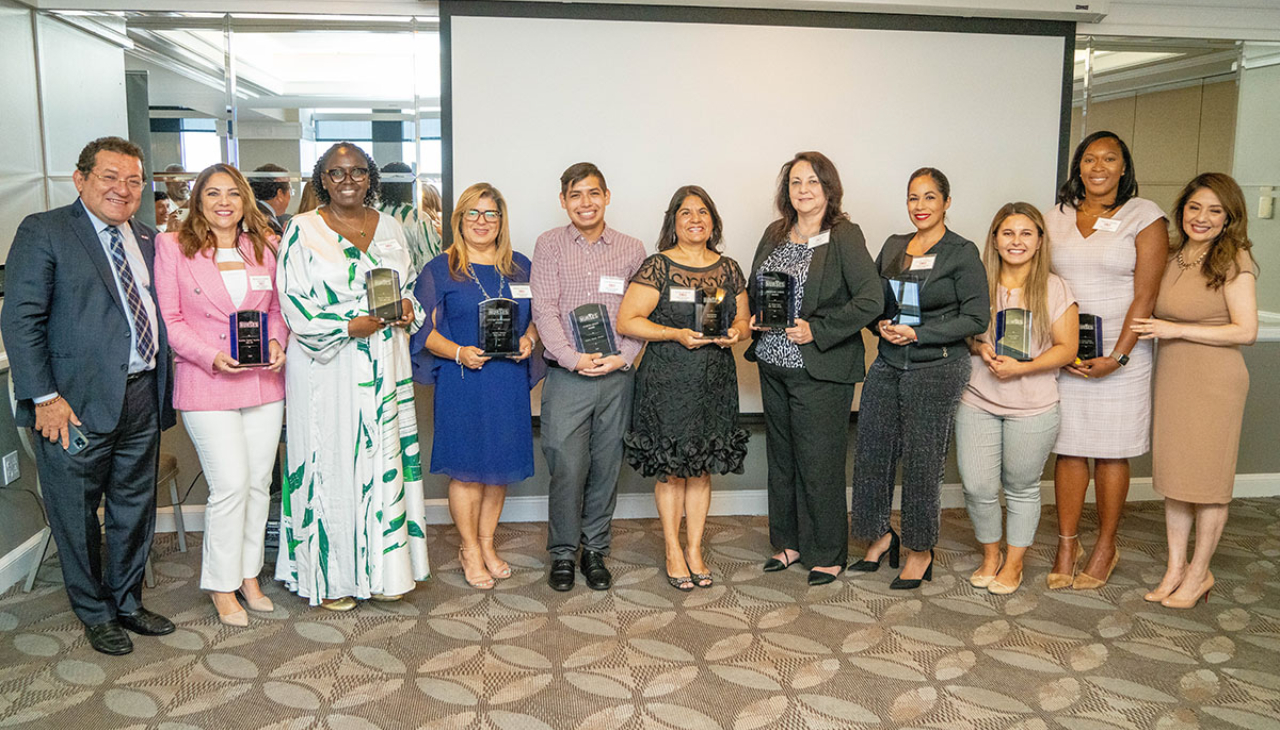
1174, 135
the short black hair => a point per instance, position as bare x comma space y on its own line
317, 174
1072, 191
266, 188
89, 155
397, 193
161, 195
578, 172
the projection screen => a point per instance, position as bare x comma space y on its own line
723, 98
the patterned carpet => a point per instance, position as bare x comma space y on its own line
756, 651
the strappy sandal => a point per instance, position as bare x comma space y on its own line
682, 583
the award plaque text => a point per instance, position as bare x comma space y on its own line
1013, 334
383, 289
249, 338
1090, 337
777, 300
711, 315
592, 331
498, 335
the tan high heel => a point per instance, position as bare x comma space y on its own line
1155, 595
504, 568
1205, 587
1058, 581
483, 581
259, 604
1086, 582
237, 619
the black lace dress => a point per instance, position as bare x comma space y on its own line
685, 418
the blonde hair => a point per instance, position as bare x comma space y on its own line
1035, 292
196, 235
458, 260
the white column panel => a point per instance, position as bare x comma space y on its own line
21, 169
83, 93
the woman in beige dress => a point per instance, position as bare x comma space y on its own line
1206, 310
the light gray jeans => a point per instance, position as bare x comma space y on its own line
995, 452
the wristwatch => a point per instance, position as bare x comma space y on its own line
1121, 358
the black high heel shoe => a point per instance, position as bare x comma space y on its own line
871, 566
773, 565
821, 577
907, 584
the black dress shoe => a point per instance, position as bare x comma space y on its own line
561, 576
908, 584
109, 638
821, 578
773, 565
871, 566
146, 623
598, 577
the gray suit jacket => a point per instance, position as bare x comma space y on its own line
64, 325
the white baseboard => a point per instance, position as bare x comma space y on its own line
15, 564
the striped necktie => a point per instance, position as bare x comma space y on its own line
132, 297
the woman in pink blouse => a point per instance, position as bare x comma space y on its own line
222, 261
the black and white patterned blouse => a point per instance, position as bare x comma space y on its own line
774, 347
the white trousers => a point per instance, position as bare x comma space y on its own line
237, 450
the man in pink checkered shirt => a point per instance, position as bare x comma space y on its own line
586, 399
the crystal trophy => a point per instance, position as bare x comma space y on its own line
711, 312
592, 331
249, 338
906, 294
1013, 334
383, 288
1090, 337
777, 300
498, 336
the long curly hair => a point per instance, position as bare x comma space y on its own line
317, 174
196, 235
1220, 266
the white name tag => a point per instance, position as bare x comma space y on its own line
1110, 225
260, 283
389, 245
612, 285
521, 291
923, 263
820, 239
682, 294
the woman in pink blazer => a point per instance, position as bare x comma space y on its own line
222, 260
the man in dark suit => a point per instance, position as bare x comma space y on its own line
89, 360
273, 194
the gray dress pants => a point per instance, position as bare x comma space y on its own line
583, 420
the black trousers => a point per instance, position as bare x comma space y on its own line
119, 467
807, 438
908, 415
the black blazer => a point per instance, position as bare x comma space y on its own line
64, 325
955, 301
842, 294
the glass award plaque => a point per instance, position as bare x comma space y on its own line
592, 331
777, 300
383, 289
498, 336
249, 338
906, 294
711, 312
1013, 334
1090, 337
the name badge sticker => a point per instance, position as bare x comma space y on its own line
612, 285
820, 239
1110, 225
923, 263
390, 245
521, 291
682, 294
260, 283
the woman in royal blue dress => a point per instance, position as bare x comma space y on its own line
483, 425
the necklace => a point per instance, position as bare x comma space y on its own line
1182, 264
364, 218
502, 281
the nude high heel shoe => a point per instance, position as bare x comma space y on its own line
1058, 581
504, 568
1086, 582
237, 619
1205, 587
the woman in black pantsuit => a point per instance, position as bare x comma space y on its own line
808, 371
937, 295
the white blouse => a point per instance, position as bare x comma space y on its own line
236, 280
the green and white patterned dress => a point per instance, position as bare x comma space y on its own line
424, 242
352, 508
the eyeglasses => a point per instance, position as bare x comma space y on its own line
490, 216
133, 183
357, 174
